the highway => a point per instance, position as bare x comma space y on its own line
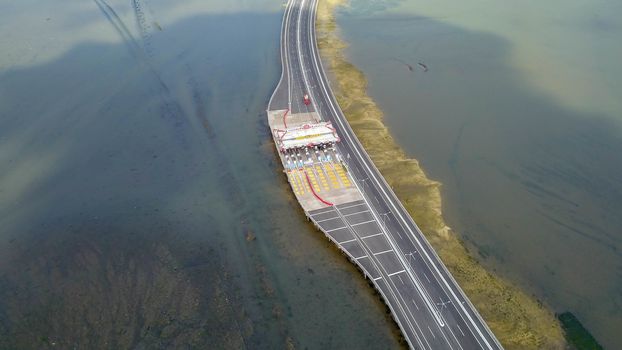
376, 233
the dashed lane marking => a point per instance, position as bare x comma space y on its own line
384, 252
374, 235
358, 212
395, 273
362, 223
460, 329
335, 229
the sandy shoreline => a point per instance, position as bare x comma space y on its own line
518, 320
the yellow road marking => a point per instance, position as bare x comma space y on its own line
344, 178
303, 184
320, 172
299, 186
313, 179
293, 180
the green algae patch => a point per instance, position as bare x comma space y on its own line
518, 320
579, 337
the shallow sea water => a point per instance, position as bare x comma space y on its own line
519, 115
141, 202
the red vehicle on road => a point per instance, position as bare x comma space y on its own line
306, 99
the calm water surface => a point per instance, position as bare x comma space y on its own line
519, 115
141, 202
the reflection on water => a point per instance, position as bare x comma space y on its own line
141, 202
531, 180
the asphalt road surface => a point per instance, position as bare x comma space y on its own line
376, 233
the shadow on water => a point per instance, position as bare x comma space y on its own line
128, 224
531, 185
86, 284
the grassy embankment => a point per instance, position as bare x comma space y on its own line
518, 320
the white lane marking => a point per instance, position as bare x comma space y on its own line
417, 335
426, 277
460, 329
378, 278
348, 241
358, 212
395, 293
351, 206
390, 201
374, 235
283, 57
395, 273
323, 211
302, 68
362, 223
383, 252
289, 69
420, 288
314, 48
287, 50
400, 277
335, 229
413, 300
384, 224
361, 257
431, 332
318, 221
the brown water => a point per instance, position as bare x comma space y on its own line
141, 202
519, 116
